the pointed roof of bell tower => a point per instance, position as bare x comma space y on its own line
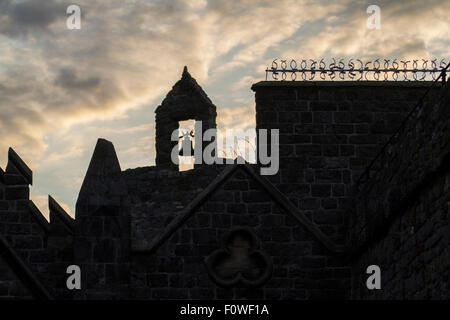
185, 73
186, 88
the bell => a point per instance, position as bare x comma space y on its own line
187, 149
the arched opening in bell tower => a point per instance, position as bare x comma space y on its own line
186, 144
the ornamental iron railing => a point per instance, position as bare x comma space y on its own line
355, 70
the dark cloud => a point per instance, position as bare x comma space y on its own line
35, 13
21, 18
68, 79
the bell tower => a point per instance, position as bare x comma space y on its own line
186, 101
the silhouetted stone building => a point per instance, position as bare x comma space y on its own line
225, 231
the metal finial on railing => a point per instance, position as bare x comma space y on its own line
356, 70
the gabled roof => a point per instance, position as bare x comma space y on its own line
276, 195
22, 271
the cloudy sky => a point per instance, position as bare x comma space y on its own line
61, 89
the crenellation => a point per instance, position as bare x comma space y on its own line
59, 217
17, 166
39, 217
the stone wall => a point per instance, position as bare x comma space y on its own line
41, 250
301, 267
19, 224
401, 218
157, 195
329, 132
102, 228
11, 286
